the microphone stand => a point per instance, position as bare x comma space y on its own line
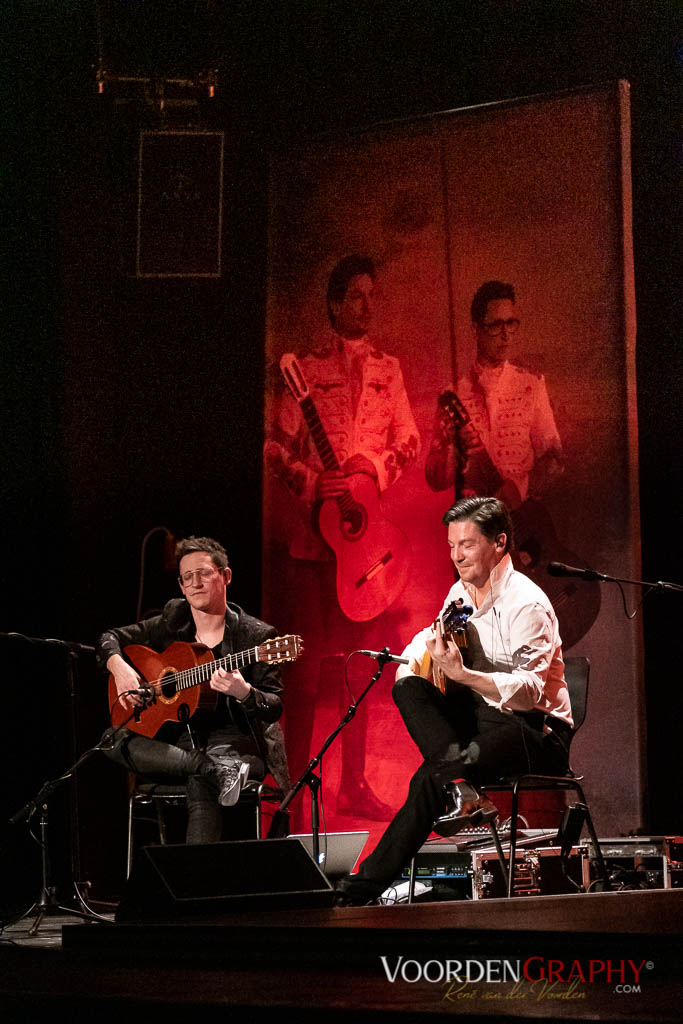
558, 569
659, 585
47, 901
279, 827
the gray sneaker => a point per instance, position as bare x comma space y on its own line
231, 775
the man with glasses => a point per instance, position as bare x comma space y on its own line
497, 434
218, 749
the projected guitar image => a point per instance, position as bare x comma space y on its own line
372, 554
536, 542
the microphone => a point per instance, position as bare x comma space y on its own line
385, 655
560, 569
144, 691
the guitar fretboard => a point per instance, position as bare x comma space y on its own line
188, 677
324, 448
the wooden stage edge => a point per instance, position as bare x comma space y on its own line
593, 956
652, 911
642, 912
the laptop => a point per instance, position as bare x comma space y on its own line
339, 851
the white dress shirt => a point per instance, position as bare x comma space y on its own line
513, 637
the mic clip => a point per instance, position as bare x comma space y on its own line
384, 656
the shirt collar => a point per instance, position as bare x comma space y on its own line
497, 577
489, 373
354, 347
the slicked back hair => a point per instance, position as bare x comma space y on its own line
490, 515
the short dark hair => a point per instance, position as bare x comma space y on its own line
490, 515
205, 545
489, 292
350, 266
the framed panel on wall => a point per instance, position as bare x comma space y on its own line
180, 203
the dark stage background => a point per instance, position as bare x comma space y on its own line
130, 404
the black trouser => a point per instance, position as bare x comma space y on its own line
155, 760
460, 736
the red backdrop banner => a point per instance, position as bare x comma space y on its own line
534, 193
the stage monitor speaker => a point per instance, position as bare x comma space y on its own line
179, 881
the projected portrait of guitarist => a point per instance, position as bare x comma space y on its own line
496, 434
344, 432
507, 429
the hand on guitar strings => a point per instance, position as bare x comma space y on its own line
332, 483
232, 683
445, 653
468, 441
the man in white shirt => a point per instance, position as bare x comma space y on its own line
505, 708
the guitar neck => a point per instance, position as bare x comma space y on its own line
317, 431
189, 677
297, 385
325, 451
484, 463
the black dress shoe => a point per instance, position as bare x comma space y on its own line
358, 800
352, 891
468, 809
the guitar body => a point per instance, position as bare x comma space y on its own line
372, 554
179, 678
168, 705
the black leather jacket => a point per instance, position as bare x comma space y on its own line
261, 708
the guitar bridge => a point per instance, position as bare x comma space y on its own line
374, 569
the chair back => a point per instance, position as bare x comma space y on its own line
576, 672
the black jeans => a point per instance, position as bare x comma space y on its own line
157, 761
460, 736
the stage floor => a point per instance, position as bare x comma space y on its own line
608, 956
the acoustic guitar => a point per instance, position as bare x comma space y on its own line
576, 603
372, 553
178, 679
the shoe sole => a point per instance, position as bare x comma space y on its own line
450, 828
231, 798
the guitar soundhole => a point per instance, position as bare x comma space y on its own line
168, 686
355, 521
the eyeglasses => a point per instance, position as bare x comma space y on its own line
204, 574
496, 326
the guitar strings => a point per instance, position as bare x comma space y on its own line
239, 659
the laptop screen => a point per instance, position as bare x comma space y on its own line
339, 851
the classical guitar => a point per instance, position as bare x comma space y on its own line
453, 626
576, 604
178, 679
372, 554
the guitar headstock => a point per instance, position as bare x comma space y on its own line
453, 407
454, 619
281, 648
294, 377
